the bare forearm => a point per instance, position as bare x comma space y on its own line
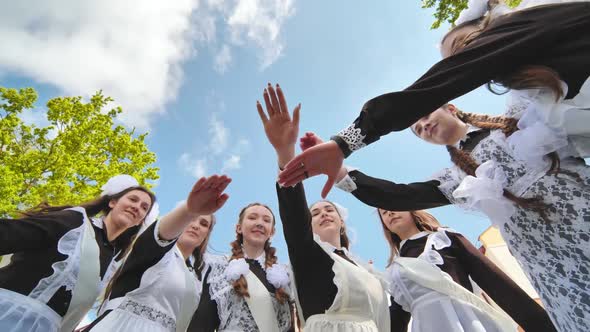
173, 223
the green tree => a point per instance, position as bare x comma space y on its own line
67, 161
449, 10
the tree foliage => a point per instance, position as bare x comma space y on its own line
68, 160
449, 10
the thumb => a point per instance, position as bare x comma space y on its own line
296, 115
327, 187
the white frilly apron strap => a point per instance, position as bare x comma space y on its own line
189, 301
260, 304
86, 290
430, 276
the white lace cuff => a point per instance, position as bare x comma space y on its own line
347, 183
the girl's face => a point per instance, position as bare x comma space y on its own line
440, 127
257, 225
399, 223
130, 209
196, 232
325, 220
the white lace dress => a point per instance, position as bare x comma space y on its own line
555, 256
435, 301
361, 303
235, 315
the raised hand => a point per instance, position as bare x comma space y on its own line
325, 158
309, 140
281, 130
207, 196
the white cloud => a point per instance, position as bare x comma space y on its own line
232, 162
260, 22
219, 135
193, 165
133, 50
223, 59
217, 156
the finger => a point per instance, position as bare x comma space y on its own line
274, 100
283, 102
292, 167
294, 177
221, 200
327, 187
296, 115
269, 108
223, 185
211, 181
292, 182
199, 184
261, 113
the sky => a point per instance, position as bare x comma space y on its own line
189, 72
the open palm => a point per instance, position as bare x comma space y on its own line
281, 130
207, 195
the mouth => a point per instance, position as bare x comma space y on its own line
133, 215
192, 233
257, 231
326, 221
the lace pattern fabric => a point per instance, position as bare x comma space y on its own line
353, 137
554, 256
234, 313
149, 313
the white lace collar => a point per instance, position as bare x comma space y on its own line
260, 259
413, 237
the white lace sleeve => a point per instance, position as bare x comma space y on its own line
449, 179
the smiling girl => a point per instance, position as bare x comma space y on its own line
334, 291
250, 292
157, 288
60, 256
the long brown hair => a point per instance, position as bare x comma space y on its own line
199, 252
344, 239
241, 285
424, 221
524, 77
508, 125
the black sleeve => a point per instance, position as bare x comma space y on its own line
312, 266
392, 196
519, 39
206, 318
501, 288
146, 253
32, 233
399, 317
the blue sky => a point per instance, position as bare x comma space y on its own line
196, 91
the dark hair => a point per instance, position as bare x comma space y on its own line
344, 240
241, 285
423, 220
524, 77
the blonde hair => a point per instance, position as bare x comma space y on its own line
424, 221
